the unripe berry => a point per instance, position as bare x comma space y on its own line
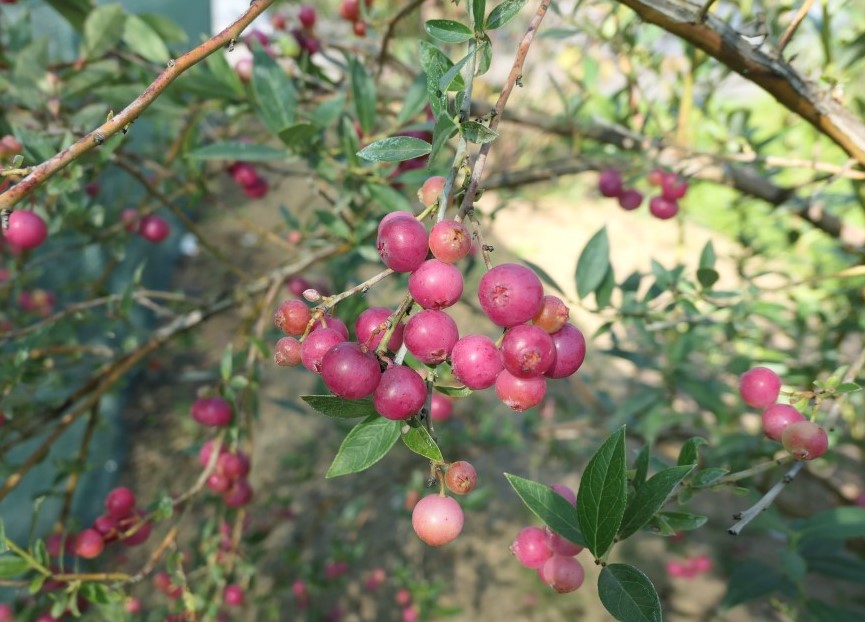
212, 411
437, 520
655, 176
805, 440
120, 502
243, 69
307, 16
570, 352
563, 574
400, 394
153, 228
238, 495
435, 284
89, 544
233, 596
560, 545
520, 393
630, 199
441, 407
610, 183
510, 294
461, 477
431, 190
430, 336
402, 244
350, 370
287, 352
449, 241
759, 387
776, 417
26, 229
476, 361
527, 351
316, 345
663, 208
530, 547
553, 314
371, 319
292, 317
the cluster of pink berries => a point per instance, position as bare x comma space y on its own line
689, 568
552, 556
804, 439
663, 206
349, 10
244, 174
121, 522
151, 227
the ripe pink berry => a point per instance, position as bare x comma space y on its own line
297, 285
370, 320
437, 520
431, 190
776, 417
238, 495
520, 393
673, 187
441, 407
510, 294
435, 284
307, 16
563, 574
610, 183
212, 411
233, 596
6, 613
476, 361
108, 527
570, 352
565, 491
374, 580
410, 614
553, 314
402, 244
329, 321
242, 173
630, 199
301, 593
530, 547
153, 228
805, 440
287, 352
461, 477
218, 482
133, 606
316, 345
390, 216
430, 335
349, 10
142, 532
292, 317
206, 450
350, 370
560, 545
26, 229
527, 351
663, 208
449, 241
89, 544
257, 189
402, 597
120, 502
400, 394
759, 387
234, 466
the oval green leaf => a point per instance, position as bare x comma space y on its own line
689, 453
504, 13
448, 31
366, 443
395, 149
274, 92
593, 264
628, 594
339, 407
477, 133
364, 94
12, 566
247, 152
651, 497
144, 40
418, 439
603, 494
549, 506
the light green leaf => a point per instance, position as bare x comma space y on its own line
395, 149
448, 31
504, 13
143, 40
11, 566
102, 30
478, 133
418, 439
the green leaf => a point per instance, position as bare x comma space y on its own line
504, 13
477, 133
444, 129
707, 256
593, 264
143, 40
297, 133
479, 9
848, 387
628, 594
682, 521
226, 363
98, 593
165, 28
651, 497
453, 73
549, 506
364, 94
689, 454
453, 391
836, 524
395, 149
3, 546
11, 566
641, 467
837, 564
339, 407
544, 276
750, 580
821, 611
414, 102
603, 494
247, 152
102, 30
707, 477
448, 31
274, 92
604, 292
73, 11
707, 277
418, 439
364, 445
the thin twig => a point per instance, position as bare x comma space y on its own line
791, 29
72, 483
388, 34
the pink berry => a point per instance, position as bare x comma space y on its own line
206, 450
563, 574
350, 370
239, 495
153, 228
570, 352
403, 244
297, 285
510, 294
530, 547
287, 352
431, 190
334, 570
437, 520
776, 417
120, 502
142, 532
805, 440
370, 320
373, 581
630, 199
655, 176
349, 10
108, 527
677, 569
89, 544
476, 361
233, 596
565, 491
316, 345
400, 394
234, 466
257, 189
244, 174
391, 216
759, 387
441, 407
133, 606
435, 284
255, 35
673, 187
6, 613
329, 321
552, 315
292, 317
410, 614
559, 545
610, 183
218, 482
212, 411
449, 241
243, 68
26, 229
663, 208
461, 477
527, 351
520, 393
701, 564
307, 16
430, 335
403, 597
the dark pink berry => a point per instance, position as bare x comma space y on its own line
476, 361
218, 482
120, 502
153, 228
350, 370
663, 208
287, 352
233, 596
437, 520
329, 321
530, 547
510, 294
307, 16
400, 394
520, 393
553, 314
89, 544
570, 352
206, 450
292, 317
257, 189
430, 336
107, 526
610, 183
26, 229
630, 199
759, 387
562, 573
374, 318
403, 244
441, 407
243, 174
212, 411
449, 241
238, 495
435, 284
142, 528
234, 466
776, 417
673, 187
527, 351
461, 477
561, 546
805, 440
316, 345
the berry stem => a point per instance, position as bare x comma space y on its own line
754, 470
32, 561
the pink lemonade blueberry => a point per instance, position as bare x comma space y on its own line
510, 294
435, 284
437, 520
805, 440
527, 351
430, 336
350, 370
400, 394
530, 547
776, 417
520, 393
476, 361
759, 387
570, 352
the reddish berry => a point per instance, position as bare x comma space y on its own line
630, 199
655, 176
329, 321
350, 370
520, 393
287, 352
374, 318
26, 229
560, 545
316, 345
153, 228
120, 502
610, 183
527, 351
244, 174
349, 10
233, 596
212, 411
530, 547
461, 477
133, 606
441, 407
403, 597
776, 417
510, 294
431, 190
238, 495
449, 241
307, 16
563, 574
570, 352
673, 187
553, 314
6, 613
257, 189
402, 244
235, 465
143, 529
373, 581
89, 544
435, 284
663, 208
206, 450
278, 21
218, 482
108, 527
297, 285
805, 440
410, 614
301, 594
400, 394
359, 28
430, 335
476, 361
759, 387
292, 317
437, 520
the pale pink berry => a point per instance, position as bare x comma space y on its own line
287, 352
461, 477
663, 208
759, 387
562, 573
570, 352
370, 321
805, 440
520, 393
530, 547
553, 314
776, 417
449, 241
330, 321
402, 244
435, 284
527, 351
243, 68
610, 183
441, 407
437, 520
560, 545
212, 411
350, 370
565, 491
510, 294
26, 229
400, 394
430, 336
431, 190
476, 361
316, 345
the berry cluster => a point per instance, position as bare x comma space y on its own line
349, 10
244, 174
804, 439
151, 227
663, 206
548, 553
122, 522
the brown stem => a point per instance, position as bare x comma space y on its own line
72, 483
791, 29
